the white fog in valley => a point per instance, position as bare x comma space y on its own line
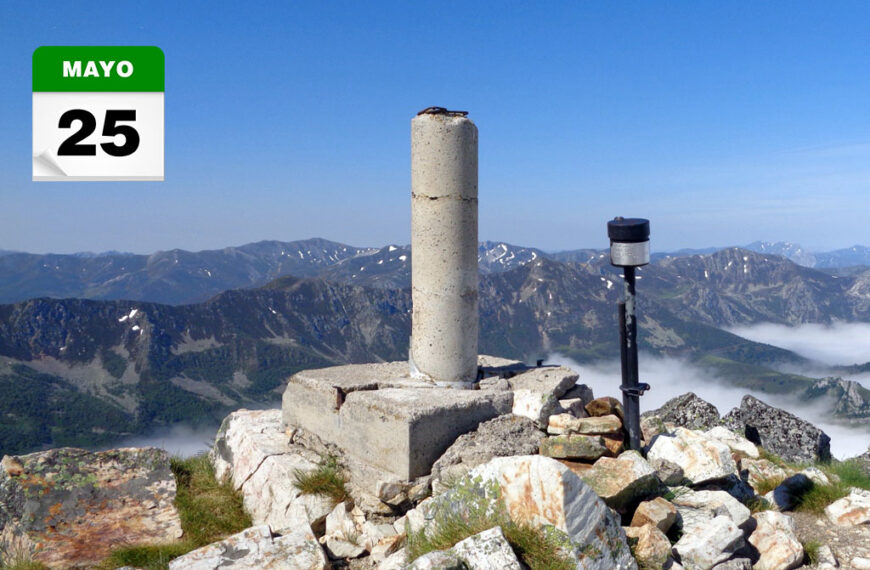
838, 344
177, 440
671, 377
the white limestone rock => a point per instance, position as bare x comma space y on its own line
704, 546
774, 538
385, 547
344, 535
851, 510
559, 424
653, 549
255, 548
396, 561
826, 558
706, 505
542, 491
488, 550
761, 470
659, 512
537, 406
622, 481
701, 458
244, 440
736, 442
537, 392
817, 476
271, 498
252, 449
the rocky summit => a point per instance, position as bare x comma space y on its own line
694, 498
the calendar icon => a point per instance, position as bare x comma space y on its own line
98, 113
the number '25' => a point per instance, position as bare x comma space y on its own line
73, 146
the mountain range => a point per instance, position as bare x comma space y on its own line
83, 371
179, 277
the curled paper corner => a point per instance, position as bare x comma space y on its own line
45, 164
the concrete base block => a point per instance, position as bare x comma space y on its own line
378, 415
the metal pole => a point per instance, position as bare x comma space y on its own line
628, 355
629, 248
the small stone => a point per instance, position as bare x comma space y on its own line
653, 548
659, 512
615, 443
390, 492
702, 458
851, 510
708, 505
488, 550
704, 546
574, 406
605, 406
622, 481
774, 538
12, 466
566, 424
737, 443
395, 561
579, 392
586, 447
826, 556
668, 472
386, 546
761, 471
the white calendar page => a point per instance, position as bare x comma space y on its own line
145, 163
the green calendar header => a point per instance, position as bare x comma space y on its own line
98, 68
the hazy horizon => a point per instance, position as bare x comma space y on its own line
602, 246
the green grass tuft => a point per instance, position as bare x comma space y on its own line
150, 557
811, 551
764, 486
849, 474
327, 480
534, 546
210, 510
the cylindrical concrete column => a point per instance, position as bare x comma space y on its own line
444, 325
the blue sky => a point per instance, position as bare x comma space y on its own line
722, 122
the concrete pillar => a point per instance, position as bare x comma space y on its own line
444, 325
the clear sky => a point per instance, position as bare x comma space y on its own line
721, 122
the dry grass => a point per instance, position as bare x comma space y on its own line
327, 480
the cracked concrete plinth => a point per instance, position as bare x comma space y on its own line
444, 280
379, 415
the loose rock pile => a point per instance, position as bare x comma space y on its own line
558, 463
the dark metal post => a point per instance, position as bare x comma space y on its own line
629, 248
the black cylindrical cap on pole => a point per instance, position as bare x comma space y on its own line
630, 230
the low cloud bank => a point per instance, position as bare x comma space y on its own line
837, 344
183, 440
178, 440
671, 377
